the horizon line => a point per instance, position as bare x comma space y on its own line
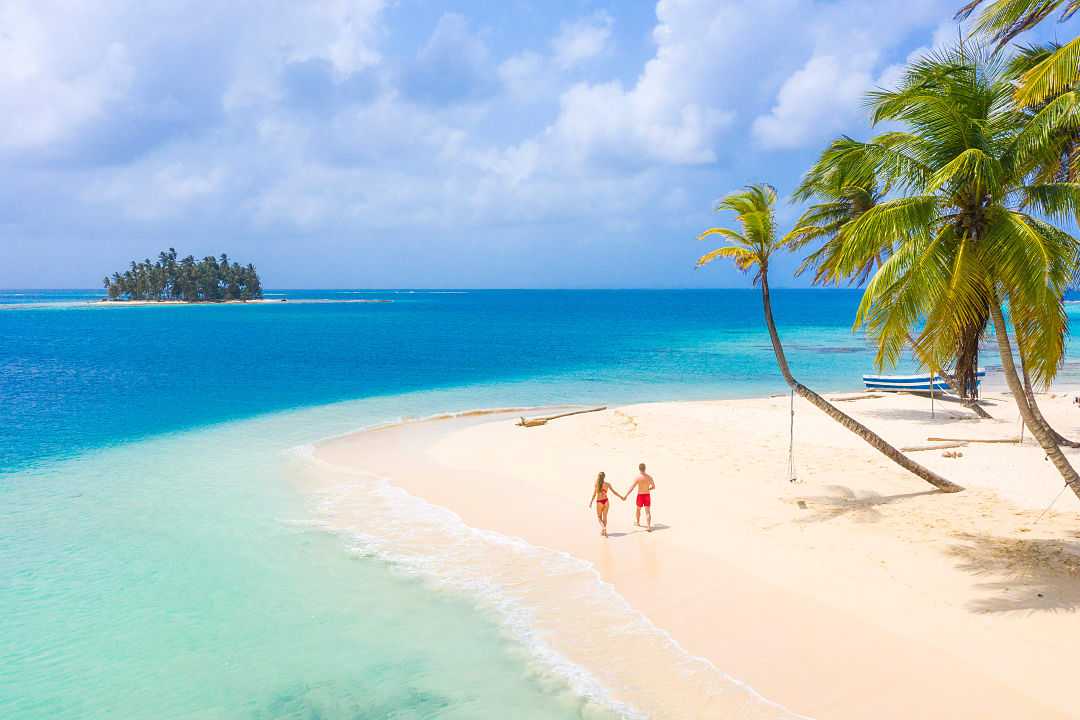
474, 289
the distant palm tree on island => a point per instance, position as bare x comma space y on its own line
186, 280
751, 250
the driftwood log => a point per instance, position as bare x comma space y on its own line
537, 421
945, 446
1014, 440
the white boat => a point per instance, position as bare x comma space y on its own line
913, 383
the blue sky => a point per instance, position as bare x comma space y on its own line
374, 143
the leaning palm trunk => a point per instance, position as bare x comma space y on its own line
971, 403
1029, 395
953, 381
872, 438
1040, 430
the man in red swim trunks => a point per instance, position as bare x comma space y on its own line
644, 484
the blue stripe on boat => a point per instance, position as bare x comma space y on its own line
911, 382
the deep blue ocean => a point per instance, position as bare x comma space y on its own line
74, 377
156, 561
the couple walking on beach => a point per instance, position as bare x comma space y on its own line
644, 484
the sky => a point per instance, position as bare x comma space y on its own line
414, 143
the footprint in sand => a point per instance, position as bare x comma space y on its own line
628, 421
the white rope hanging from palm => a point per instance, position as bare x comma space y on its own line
792, 474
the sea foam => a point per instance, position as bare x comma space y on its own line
577, 630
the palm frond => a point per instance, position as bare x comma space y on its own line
1058, 202
1003, 20
1056, 121
973, 169
744, 259
1056, 74
726, 233
754, 206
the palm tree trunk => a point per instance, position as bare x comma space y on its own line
971, 404
1039, 430
967, 356
868, 435
953, 381
964, 381
1029, 395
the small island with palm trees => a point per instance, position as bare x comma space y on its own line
185, 280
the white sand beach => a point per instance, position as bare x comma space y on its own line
857, 592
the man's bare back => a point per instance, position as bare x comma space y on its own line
644, 485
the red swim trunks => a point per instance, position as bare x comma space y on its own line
644, 500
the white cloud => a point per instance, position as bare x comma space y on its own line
530, 77
714, 60
582, 40
526, 77
605, 122
70, 68
316, 125
52, 82
824, 94
454, 65
819, 99
676, 109
341, 31
161, 189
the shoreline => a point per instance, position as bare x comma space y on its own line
881, 597
512, 580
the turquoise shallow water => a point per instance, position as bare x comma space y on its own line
157, 562
182, 577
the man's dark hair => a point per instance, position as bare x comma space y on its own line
641, 467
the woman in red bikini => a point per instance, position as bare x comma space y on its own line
600, 496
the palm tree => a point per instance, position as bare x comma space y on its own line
751, 250
1004, 20
970, 230
1062, 163
845, 196
1057, 116
841, 200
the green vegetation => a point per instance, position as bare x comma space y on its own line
973, 202
188, 280
967, 209
1002, 21
751, 250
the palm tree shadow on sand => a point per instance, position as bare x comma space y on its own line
943, 416
1032, 575
860, 506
